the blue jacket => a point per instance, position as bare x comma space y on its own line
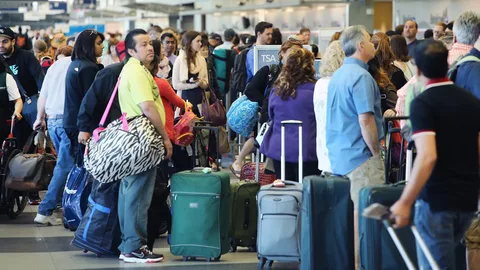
468, 75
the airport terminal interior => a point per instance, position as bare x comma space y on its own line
150, 134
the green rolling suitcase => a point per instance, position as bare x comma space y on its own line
243, 224
200, 214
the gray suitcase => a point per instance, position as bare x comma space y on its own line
279, 214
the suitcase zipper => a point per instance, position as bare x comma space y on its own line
175, 194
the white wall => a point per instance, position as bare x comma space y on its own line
428, 12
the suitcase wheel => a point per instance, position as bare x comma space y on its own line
85, 251
269, 263
65, 226
209, 259
261, 263
218, 258
184, 258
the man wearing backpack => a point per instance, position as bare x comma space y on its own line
263, 33
468, 72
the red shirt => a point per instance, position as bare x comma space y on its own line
169, 98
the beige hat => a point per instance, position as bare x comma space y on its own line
58, 40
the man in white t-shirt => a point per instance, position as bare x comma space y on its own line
8, 93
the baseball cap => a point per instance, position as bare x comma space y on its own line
229, 34
7, 32
216, 37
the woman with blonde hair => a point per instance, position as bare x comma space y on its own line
291, 99
332, 60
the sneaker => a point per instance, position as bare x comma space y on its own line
34, 198
47, 220
142, 255
122, 256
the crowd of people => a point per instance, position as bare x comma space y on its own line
364, 78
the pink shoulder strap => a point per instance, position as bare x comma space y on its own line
110, 102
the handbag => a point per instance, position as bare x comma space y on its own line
127, 146
32, 169
213, 109
75, 193
243, 116
223, 139
183, 129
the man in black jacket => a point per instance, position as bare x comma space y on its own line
28, 74
95, 101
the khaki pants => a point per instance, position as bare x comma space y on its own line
370, 173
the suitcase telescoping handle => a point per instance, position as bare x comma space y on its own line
382, 213
300, 150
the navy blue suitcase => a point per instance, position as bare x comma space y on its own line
99, 230
377, 250
327, 224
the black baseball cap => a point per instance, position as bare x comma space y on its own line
7, 32
216, 37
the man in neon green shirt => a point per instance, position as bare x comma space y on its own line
138, 94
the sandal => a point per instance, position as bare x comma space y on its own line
236, 173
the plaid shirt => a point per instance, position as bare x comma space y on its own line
458, 50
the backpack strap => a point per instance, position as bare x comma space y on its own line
452, 71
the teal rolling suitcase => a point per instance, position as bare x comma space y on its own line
200, 214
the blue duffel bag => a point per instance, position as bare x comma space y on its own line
99, 230
75, 195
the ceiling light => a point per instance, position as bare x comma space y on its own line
289, 10
321, 8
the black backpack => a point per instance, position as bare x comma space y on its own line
238, 78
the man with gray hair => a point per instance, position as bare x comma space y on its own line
354, 118
465, 31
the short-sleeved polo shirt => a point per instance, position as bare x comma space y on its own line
136, 86
352, 91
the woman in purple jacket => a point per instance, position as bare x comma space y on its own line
292, 99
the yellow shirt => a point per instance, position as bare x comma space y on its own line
136, 86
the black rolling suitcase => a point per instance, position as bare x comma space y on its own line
99, 230
327, 238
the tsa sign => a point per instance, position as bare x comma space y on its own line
266, 55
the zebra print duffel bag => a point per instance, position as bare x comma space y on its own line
126, 147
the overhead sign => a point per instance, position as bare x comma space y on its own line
265, 55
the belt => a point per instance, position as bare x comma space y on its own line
55, 116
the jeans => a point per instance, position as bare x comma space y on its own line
442, 231
64, 164
134, 200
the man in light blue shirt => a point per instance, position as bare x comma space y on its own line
263, 32
354, 118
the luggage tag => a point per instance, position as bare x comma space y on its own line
279, 184
29, 101
189, 150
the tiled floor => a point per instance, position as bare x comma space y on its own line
25, 245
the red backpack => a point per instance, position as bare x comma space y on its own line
183, 130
